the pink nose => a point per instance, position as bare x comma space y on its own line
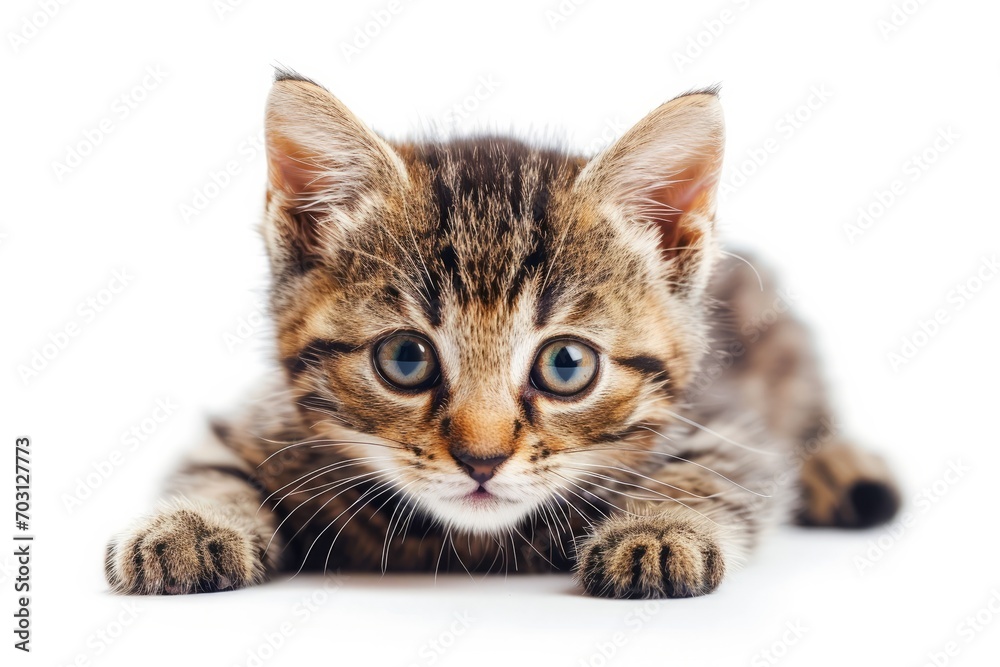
481, 470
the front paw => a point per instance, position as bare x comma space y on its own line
650, 557
184, 550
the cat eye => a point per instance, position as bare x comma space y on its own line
406, 361
564, 367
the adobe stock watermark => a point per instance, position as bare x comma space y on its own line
558, 14
911, 171
710, 30
720, 360
103, 638
777, 650
604, 652
129, 443
786, 127
924, 501
223, 8
956, 300
899, 15
431, 651
365, 34
247, 327
301, 612
217, 180
464, 109
8, 569
32, 24
787, 475
87, 310
121, 108
611, 130
966, 632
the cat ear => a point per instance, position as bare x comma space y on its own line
664, 172
325, 167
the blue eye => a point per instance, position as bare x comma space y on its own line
564, 367
406, 361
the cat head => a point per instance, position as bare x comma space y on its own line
483, 320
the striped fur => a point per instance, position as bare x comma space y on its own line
706, 422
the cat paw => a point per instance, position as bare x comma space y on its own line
650, 557
183, 550
847, 487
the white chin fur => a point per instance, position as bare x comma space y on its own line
488, 516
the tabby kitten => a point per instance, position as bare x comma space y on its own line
498, 356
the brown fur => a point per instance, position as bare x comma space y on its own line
653, 481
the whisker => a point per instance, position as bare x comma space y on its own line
312, 474
638, 474
619, 492
601, 512
403, 522
638, 486
385, 486
556, 526
368, 478
441, 553
753, 268
513, 550
409, 519
385, 544
332, 484
499, 551
569, 523
718, 435
304, 502
659, 453
353, 442
324, 442
679, 502
305, 558
459, 556
282, 522
328, 411
533, 548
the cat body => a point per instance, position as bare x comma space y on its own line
501, 357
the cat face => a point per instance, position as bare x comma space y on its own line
485, 323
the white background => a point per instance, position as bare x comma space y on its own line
579, 78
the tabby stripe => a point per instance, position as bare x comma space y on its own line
546, 303
614, 436
314, 401
439, 398
647, 365
314, 352
229, 471
138, 564
529, 410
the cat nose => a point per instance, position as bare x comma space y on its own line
481, 470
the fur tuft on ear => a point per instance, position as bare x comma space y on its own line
664, 172
325, 167
282, 73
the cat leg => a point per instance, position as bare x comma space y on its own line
207, 535
776, 373
845, 486
678, 530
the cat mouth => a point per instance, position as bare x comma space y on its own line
479, 511
482, 496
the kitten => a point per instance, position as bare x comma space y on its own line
503, 357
